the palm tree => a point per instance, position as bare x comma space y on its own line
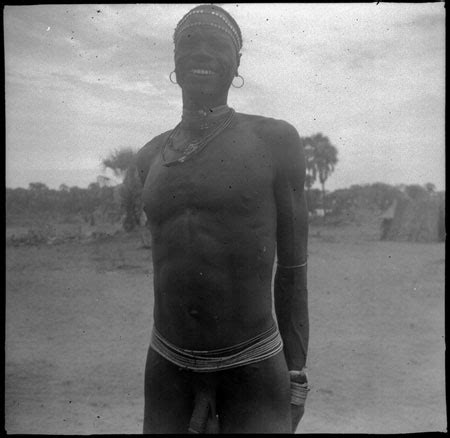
311, 171
325, 159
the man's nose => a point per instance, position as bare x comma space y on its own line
203, 50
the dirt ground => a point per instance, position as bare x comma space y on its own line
79, 315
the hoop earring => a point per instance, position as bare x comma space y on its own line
170, 78
242, 83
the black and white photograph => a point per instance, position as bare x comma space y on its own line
225, 218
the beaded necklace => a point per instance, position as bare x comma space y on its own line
203, 119
196, 146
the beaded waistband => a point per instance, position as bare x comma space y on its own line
256, 349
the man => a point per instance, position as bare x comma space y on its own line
223, 191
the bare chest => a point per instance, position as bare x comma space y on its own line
232, 174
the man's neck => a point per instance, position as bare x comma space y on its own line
201, 102
203, 114
200, 120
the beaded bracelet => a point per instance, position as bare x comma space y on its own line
299, 386
299, 391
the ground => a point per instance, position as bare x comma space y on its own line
79, 316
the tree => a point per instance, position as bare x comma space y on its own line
324, 161
123, 163
131, 195
37, 187
104, 181
313, 200
416, 192
119, 161
39, 196
311, 171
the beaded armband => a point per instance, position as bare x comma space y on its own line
292, 266
300, 265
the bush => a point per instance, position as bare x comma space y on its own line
64, 205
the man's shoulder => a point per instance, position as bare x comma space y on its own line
152, 147
281, 138
270, 128
147, 153
150, 150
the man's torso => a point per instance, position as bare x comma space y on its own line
213, 223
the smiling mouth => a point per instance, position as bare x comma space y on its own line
202, 72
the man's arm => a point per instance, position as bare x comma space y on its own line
291, 293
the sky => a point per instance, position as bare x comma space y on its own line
82, 81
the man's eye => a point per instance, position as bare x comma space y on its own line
189, 41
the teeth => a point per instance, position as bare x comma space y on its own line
198, 71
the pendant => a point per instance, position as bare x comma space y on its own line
191, 147
195, 146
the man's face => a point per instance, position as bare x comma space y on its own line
205, 60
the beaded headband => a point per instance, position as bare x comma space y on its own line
216, 15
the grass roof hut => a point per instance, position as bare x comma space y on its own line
415, 216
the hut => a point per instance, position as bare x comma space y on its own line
418, 219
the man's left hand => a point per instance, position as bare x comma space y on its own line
299, 391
